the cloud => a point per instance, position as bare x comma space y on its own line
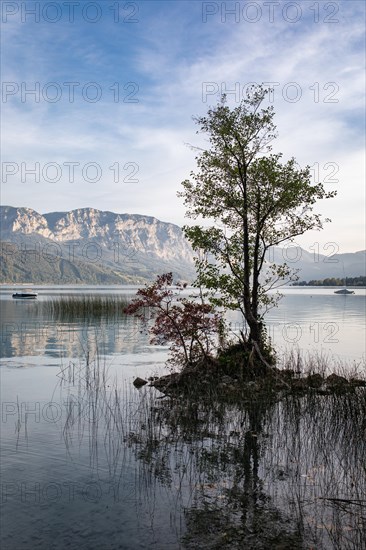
170, 55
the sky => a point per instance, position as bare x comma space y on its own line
98, 99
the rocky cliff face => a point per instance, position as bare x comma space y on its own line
143, 233
23, 220
129, 244
93, 246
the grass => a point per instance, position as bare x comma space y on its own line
284, 474
86, 305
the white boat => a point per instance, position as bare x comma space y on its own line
25, 295
344, 290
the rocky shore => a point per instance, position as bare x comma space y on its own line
210, 381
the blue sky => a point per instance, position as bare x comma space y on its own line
140, 71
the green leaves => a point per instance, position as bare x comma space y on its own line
253, 200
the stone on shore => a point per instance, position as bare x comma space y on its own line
139, 382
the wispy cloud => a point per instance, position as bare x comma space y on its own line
168, 56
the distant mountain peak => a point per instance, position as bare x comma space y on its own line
156, 246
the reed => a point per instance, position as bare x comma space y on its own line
261, 473
86, 305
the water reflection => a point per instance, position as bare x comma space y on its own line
279, 474
318, 320
308, 319
271, 475
110, 467
67, 462
36, 329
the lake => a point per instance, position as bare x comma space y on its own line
90, 462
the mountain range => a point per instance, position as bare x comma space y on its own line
316, 266
91, 246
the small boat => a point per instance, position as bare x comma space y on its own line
344, 291
25, 295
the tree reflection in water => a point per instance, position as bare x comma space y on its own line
279, 475
260, 474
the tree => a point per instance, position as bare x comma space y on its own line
189, 326
254, 201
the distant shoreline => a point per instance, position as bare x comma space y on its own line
353, 282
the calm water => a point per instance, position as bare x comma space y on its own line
75, 473
308, 319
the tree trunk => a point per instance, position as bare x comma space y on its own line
255, 334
